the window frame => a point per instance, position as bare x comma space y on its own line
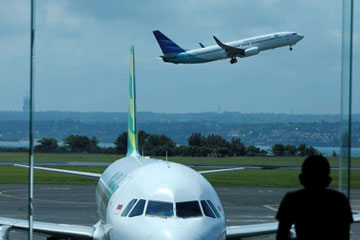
198, 204
152, 215
129, 207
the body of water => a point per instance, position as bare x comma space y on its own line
326, 151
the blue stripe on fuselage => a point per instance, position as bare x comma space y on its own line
185, 57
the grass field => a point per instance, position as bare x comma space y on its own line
249, 178
85, 157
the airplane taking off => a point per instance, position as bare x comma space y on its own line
241, 48
140, 198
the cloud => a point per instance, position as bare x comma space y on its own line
54, 14
82, 53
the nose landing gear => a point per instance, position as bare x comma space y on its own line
233, 60
291, 48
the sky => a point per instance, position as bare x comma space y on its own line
82, 56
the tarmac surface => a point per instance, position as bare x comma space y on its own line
75, 204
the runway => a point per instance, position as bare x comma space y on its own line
75, 204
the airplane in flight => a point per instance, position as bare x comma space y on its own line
173, 53
142, 198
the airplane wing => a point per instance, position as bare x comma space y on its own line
245, 231
52, 229
236, 232
231, 51
71, 172
221, 170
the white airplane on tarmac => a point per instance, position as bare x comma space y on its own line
139, 198
241, 48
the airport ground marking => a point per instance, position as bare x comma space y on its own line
4, 194
271, 208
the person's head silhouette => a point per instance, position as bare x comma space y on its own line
315, 173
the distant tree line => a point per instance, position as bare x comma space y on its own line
158, 145
322, 134
279, 149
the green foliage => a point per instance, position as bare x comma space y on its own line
47, 145
78, 143
237, 147
212, 145
279, 149
196, 140
142, 136
252, 151
158, 145
121, 143
290, 150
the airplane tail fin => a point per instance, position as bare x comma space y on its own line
132, 146
167, 46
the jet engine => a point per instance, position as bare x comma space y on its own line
251, 51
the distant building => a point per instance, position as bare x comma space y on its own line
26, 104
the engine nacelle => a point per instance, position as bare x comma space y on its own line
251, 51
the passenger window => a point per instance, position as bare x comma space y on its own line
128, 207
214, 208
207, 210
138, 209
188, 209
160, 209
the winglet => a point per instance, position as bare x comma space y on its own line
201, 45
132, 146
218, 41
231, 51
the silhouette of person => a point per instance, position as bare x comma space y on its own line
317, 213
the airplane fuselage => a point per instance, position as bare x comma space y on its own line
251, 46
169, 201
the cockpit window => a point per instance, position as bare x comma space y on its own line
128, 207
160, 209
294, 34
138, 209
188, 209
207, 210
213, 208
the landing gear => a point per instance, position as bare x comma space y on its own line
290, 48
233, 60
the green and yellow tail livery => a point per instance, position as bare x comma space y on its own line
132, 146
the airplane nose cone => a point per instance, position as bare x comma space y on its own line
167, 235
300, 37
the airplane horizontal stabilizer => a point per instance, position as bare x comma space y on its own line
71, 172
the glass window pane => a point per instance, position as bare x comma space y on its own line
214, 208
128, 207
207, 210
138, 209
188, 209
160, 209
